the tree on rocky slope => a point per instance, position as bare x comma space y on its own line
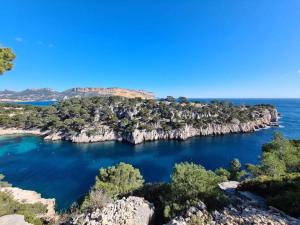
235, 170
119, 180
189, 184
6, 59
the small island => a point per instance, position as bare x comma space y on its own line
133, 120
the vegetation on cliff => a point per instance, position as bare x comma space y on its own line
111, 183
121, 116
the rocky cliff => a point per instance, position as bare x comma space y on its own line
137, 136
114, 92
134, 120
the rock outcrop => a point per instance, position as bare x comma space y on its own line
126, 211
13, 219
32, 197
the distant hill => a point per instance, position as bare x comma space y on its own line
47, 94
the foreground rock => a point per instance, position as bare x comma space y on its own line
127, 211
13, 220
239, 215
32, 197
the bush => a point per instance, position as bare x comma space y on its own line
95, 199
235, 170
223, 173
119, 180
191, 183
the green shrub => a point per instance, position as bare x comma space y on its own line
222, 172
235, 170
119, 180
191, 183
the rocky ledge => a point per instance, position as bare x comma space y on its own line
242, 214
131, 211
248, 209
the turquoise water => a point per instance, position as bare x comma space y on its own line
66, 171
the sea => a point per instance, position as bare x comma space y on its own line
66, 171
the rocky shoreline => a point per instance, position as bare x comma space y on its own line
137, 136
31, 197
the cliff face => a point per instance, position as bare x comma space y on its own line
115, 92
46, 94
137, 136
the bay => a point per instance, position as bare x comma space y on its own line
66, 171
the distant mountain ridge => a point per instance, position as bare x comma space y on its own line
47, 94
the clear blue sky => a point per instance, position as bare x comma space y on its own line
194, 48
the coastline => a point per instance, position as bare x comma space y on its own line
136, 121
141, 136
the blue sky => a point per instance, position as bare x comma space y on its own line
194, 48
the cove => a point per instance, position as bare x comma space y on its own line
66, 171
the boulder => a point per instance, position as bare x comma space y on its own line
126, 211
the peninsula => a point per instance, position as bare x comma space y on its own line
134, 120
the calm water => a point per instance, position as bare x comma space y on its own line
66, 171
